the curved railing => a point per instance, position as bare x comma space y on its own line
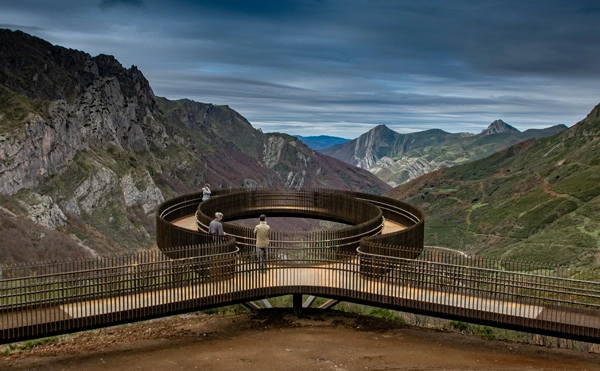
193, 271
104, 291
364, 218
364, 213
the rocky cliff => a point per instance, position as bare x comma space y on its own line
398, 158
499, 126
88, 150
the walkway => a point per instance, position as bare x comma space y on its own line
362, 263
163, 295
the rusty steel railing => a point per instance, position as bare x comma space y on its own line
363, 212
365, 219
193, 271
107, 291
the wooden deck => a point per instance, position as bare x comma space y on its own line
189, 222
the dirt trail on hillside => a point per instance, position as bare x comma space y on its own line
273, 339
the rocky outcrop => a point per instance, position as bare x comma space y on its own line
45, 212
102, 118
272, 153
499, 126
295, 180
93, 192
141, 192
365, 150
402, 170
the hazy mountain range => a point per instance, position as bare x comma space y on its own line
88, 151
320, 142
398, 158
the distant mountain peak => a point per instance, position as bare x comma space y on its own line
499, 126
381, 127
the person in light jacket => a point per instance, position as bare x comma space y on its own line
263, 235
206, 192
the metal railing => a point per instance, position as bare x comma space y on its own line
106, 291
363, 212
194, 271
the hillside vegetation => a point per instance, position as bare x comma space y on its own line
538, 200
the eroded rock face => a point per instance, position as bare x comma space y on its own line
45, 212
27, 155
93, 192
100, 118
295, 180
272, 153
149, 196
364, 154
404, 169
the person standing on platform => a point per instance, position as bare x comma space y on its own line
206, 192
263, 235
215, 228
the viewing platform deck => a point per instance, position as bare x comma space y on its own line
378, 259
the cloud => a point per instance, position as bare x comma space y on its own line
104, 4
330, 64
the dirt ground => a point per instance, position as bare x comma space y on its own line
274, 339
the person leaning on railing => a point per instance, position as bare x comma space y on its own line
206, 192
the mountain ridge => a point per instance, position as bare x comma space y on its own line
398, 158
320, 142
90, 151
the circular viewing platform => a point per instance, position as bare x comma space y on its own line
371, 226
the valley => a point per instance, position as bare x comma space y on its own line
88, 151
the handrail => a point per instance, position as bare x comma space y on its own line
154, 285
192, 271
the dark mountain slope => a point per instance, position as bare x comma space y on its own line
88, 150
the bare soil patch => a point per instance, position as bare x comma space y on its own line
274, 339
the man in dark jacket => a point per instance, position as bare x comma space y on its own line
215, 228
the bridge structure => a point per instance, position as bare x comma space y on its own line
376, 258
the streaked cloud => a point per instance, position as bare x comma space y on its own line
109, 3
341, 67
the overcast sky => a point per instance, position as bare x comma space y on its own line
341, 67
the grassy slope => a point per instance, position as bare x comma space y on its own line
538, 200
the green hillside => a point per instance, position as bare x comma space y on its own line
538, 200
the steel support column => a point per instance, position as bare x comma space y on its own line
297, 300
